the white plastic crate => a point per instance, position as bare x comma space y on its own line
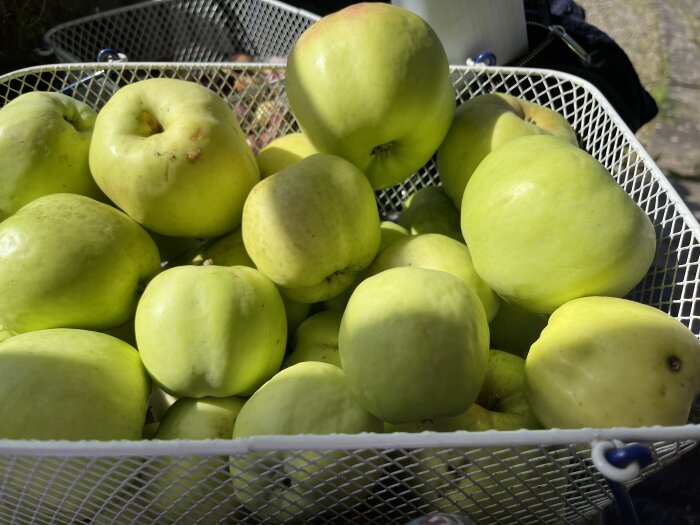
545, 476
183, 31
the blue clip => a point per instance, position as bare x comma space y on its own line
487, 58
622, 457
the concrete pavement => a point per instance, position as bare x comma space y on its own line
662, 39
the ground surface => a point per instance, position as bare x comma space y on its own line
662, 39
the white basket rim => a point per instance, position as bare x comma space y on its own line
363, 441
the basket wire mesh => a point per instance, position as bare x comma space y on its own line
493, 477
183, 31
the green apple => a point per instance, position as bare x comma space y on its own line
67, 260
438, 252
173, 249
430, 210
283, 151
125, 332
171, 154
371, 83
5, 333
229, 250
159, 402
460, 481
536, 238
69, 384
65, 383
414, 344
500, 405
197, 486
485, 122
316, 339
44, 143
226, 250
211, 330
609, 362
312, 227
514, 329
294, 486
390, 232
475, 481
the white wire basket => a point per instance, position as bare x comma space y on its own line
545, 476
183, 31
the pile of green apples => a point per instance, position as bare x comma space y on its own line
160, 280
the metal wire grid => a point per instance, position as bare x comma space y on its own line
183, 31
511, 484
526, 484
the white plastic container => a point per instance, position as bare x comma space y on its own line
468, 28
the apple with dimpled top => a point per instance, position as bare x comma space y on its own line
171, 154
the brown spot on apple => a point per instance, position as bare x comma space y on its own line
197, 135
194, 155
674, 363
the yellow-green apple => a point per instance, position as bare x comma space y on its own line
198, 486
171, 154
125, 332
226, 250
159, 402
546, 223
500, 405
454, 481
44, 143
514, 329
609, 362
65, 383
211, 330
389, 233
475, 481
294, 486
316, 339
391, 109
430, 210
283, 151
67, 260
5, 333
483, 123
414, 344
438, 252
312, 227
70, 384
229, 250
173, 249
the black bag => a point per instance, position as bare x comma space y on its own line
559, 38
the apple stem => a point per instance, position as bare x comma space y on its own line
381, 149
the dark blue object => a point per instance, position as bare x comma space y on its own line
487, 58
621, 457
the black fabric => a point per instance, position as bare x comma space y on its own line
610, 69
